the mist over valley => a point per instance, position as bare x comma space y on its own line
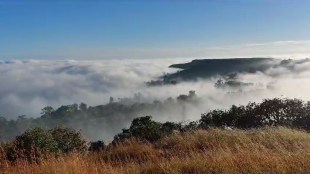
115, 91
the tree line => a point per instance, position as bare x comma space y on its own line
37, 142
112, 116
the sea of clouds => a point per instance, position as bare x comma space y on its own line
28, 86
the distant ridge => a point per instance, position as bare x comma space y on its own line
206, 68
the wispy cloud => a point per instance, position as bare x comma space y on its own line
280, 49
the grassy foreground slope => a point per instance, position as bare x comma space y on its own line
265, 150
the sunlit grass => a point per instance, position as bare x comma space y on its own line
270, 150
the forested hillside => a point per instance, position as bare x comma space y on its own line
248, 138
93, 120
207, 68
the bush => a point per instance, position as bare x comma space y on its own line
142, 128
32, 144
68, 140
97, 146
37, 143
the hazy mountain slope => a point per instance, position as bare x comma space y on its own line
206, 68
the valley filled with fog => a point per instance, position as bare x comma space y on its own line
28, 86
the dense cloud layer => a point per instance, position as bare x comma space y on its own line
28, 86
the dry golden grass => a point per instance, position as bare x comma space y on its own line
272, 150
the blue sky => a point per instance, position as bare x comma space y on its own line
152, 29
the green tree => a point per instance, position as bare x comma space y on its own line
68, 140
143, 128
33, 144
47, 111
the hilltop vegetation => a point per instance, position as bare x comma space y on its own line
93, 120
292, 113
267, 137
271, 150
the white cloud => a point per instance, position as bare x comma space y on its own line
277, 49
280, 49
28, 86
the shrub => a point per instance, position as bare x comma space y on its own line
97, 146
37, 143
142, 128
68, 140
32, 145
